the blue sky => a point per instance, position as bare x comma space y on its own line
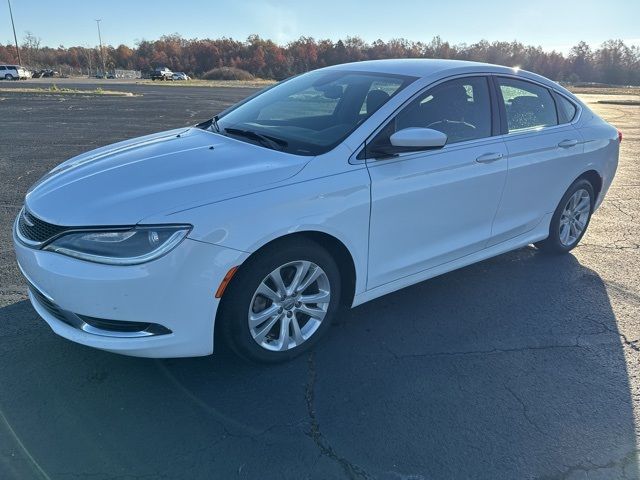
551, 24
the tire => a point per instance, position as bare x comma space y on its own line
569, 222
8, 76
273, 337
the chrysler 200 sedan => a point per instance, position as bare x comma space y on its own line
331, 188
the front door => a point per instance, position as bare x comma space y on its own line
432, 207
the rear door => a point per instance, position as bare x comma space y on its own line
542, 155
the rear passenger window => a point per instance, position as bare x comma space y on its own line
566, 109
527, 105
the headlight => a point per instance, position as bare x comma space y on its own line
120, 247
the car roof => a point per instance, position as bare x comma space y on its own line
427, 67
415, 67
440, 68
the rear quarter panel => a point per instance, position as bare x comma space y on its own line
601, 150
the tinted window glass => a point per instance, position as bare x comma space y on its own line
310, 102
379, 92
459, 108
567, 109
312, 113
3, 68
527, 105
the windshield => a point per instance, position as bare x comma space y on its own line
312, 113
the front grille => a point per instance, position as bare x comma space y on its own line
32, 228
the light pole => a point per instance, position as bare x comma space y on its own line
15, 39
101, 51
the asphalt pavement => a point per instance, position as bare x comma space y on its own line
523, 366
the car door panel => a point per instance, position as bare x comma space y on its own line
538, 171
542, 156
434, 206
431, 208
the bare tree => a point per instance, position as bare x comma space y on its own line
31, 46
613, 62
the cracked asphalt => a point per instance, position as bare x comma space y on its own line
523, 366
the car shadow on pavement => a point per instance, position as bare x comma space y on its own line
511, 368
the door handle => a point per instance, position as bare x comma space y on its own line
568, 143
489, 157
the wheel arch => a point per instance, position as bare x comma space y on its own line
595, 179
336, 248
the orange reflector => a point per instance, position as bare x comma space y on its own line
225, 281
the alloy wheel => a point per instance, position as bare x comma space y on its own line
574, 217
289, 305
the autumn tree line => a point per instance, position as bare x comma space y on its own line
612, 62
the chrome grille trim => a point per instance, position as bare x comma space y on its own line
35, 232
48, 304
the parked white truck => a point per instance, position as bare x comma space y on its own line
14, 72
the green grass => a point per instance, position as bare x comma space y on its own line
256, 83
630, 102
55, 90
605, 90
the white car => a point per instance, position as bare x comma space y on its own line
333, 187
14, 72
180, 76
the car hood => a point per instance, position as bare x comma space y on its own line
121, 184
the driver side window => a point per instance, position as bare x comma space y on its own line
459, 108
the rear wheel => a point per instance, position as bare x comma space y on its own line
281, 302
571, 218
8, 76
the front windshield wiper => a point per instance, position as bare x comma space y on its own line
268, 141
212, 123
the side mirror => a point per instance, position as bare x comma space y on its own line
417, 138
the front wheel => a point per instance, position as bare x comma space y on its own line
571, 218
281, 302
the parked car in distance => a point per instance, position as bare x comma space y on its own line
45, 73
162, 74
332, 188
180, 76
14, 72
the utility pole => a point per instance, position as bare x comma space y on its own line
15, 38
101, 51
89, 61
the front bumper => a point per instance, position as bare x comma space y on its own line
175, 292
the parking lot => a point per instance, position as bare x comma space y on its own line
522, 366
